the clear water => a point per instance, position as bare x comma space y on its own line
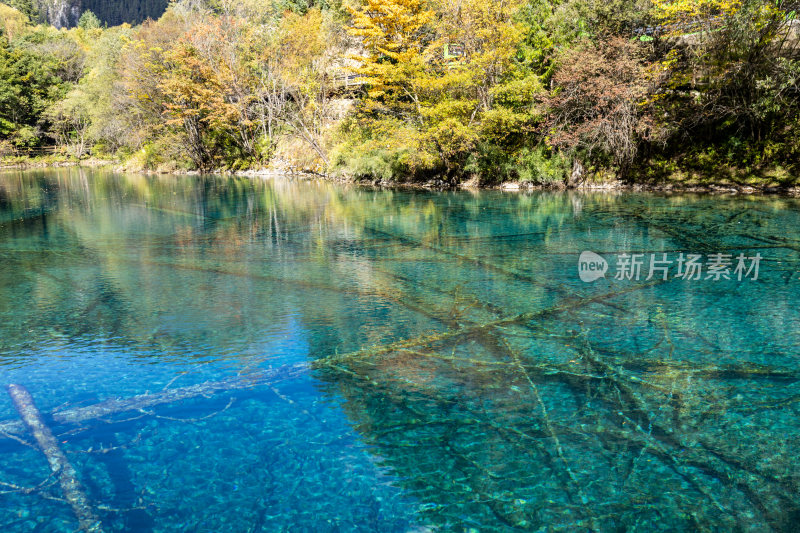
434, 361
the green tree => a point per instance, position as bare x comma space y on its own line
28, 86
70, 120
27, 8
730, 67
89, 21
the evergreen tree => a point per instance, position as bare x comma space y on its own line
26, 7
88, 21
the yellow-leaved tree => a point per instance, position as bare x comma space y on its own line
677, 12
483, 94
446, 69
194, 102
394, 35
304, 50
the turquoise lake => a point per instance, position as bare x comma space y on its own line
239, 355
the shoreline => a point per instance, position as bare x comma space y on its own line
431, 185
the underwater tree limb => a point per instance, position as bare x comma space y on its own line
468, 259
702, 454
113, 406
59, 464
300, 284
638, 426
192, 420
549, 427
522, 318
13, 487
480, 477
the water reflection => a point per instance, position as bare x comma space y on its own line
501, 390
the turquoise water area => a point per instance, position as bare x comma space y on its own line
377, 360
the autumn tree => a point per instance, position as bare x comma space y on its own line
194, 102
229, 46
598, 111
395, 35
683, 15
305, 49
12, 22
488, 91
450, 70
27, 7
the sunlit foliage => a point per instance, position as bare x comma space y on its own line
542, 90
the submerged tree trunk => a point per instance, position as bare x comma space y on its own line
59, 464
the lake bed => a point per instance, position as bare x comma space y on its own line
398, 360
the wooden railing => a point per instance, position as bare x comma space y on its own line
30, 152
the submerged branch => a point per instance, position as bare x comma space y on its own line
76, 415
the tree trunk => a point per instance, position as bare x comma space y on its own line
577, 176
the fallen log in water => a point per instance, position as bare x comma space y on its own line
59, 464
113, 406
568, 304
76, 415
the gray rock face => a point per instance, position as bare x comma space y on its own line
61, 13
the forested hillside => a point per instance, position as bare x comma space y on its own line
114, 13
67, 13
549, 91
